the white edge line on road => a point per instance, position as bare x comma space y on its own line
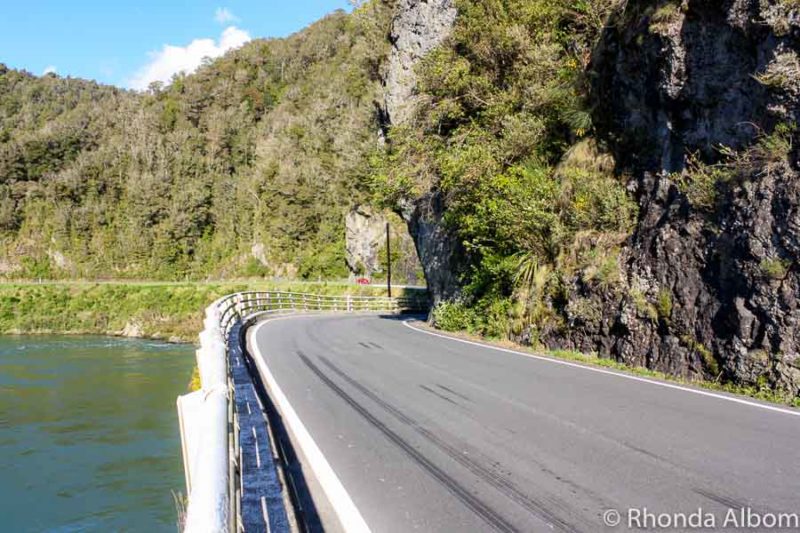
608, 372
340, 500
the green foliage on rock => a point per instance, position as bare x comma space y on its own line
775, 269
504, 131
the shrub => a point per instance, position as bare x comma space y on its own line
490, 316
773, 268
700, 182
454, 316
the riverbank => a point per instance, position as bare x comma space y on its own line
171, 311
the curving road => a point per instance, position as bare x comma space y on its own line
427, 433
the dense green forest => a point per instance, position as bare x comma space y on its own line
246, 167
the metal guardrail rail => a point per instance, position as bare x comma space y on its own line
231, 471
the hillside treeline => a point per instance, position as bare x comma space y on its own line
245, 167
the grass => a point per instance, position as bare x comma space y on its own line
761, 392
665, 15
664, 304
643, 306
159, 310
195, 383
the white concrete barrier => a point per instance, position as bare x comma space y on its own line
203, 418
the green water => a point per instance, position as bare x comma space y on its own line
88, 433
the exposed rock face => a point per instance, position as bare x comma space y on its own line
58, 259
438, 250
688, 80
418, 27
259, 252
365, 237
702, 293
132, 329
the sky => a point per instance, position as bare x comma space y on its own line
132, 43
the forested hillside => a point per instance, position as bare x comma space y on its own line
246, 167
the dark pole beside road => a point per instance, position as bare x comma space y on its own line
388, 262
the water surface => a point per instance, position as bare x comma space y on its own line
88, 433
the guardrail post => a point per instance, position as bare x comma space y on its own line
349, 304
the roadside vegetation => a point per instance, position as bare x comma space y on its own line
170, 311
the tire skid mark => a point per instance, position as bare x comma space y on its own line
485, 512
722, 499
725, 501
602, 501
439, 395
451, 391
498, 481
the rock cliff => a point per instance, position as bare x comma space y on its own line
365, 237
418, 27
710, 288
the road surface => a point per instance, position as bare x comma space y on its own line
427, 433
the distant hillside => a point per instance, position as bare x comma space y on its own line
246, 167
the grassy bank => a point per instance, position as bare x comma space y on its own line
171, 311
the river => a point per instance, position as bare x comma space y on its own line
88, 433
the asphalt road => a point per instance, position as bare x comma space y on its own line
432, 434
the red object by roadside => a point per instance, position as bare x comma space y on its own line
362, 281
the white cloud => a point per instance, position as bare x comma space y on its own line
171, 59
223, 15
50, 69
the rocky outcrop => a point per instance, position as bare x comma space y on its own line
418, 27
132, 329
258, 251
365, 236
704, 292
678, 77
439, 252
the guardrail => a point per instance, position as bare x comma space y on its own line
210, 424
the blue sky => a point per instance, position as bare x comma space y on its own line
129, 43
